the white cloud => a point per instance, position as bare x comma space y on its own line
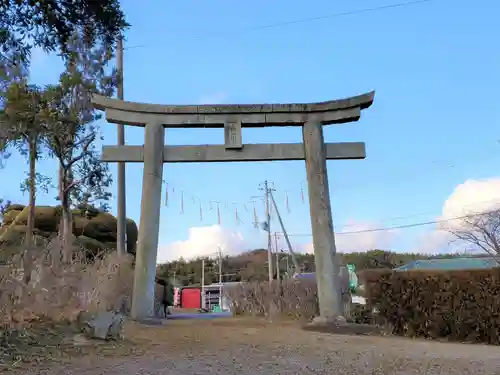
433, 242
203, 241
214, 98
364, 237
473, 196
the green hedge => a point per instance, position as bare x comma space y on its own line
459, 305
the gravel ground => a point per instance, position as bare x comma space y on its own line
242, 346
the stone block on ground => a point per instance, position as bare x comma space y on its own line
103, 326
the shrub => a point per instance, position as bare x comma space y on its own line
457, 305
60, 291
362, 314
291, 298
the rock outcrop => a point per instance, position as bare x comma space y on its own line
93, 230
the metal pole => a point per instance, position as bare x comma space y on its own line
121, 228
294, 258
277, 256
269, 241
287, 265
220, 278
203, 283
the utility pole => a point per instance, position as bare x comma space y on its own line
277, 256
267, 191
121, 227
203, 283
220, 265
220, 278
290, 250
287, 265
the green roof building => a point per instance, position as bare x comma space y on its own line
464, 263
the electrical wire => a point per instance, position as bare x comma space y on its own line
413, 225
396, 218
303, 20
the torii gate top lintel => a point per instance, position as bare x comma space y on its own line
139, 114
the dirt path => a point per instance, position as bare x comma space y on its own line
239, 346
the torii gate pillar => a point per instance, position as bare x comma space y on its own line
327, 269
149, 225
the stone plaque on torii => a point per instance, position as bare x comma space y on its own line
315, 152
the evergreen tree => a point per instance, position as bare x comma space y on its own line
73, 132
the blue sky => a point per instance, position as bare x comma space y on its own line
433, 125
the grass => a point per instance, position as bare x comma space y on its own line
45, 343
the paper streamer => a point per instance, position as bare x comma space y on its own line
169, 190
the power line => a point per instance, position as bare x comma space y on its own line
304, 20
404, 226
424, 213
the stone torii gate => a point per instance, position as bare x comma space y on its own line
311, 116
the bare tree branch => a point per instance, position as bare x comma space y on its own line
480, 230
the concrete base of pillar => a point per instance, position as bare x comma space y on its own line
320, 321
340, 326
151, 321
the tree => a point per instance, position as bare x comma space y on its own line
479, 230
23, 128
51, 23
72, 129
4, 205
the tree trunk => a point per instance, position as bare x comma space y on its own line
67, 233
28, 254
66, 225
